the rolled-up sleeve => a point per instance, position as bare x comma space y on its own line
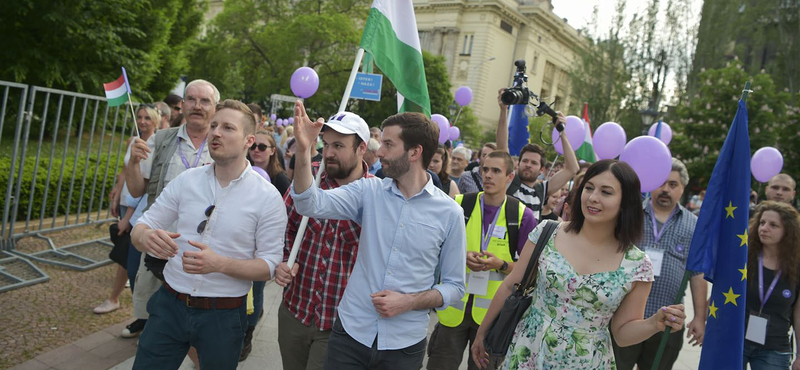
453, 258
271, 231
342, 203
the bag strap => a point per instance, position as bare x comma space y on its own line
512, 224
468, 204
477, 178
529, 278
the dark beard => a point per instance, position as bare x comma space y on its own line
341, 172
394, 168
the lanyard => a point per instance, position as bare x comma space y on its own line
486, 236
196, 158
658, 234
761, 295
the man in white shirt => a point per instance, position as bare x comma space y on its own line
230, 230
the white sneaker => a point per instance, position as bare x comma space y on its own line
106, 307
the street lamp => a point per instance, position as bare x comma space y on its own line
649, 116
452, 108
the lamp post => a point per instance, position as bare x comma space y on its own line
452, 108
649, 116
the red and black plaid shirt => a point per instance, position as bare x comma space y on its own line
326, 258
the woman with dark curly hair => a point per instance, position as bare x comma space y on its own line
773, 271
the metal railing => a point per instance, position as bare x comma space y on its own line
78, 142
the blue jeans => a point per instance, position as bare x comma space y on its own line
346, 353
173, 327
765, 359
258, 302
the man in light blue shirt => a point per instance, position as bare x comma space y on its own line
409, 229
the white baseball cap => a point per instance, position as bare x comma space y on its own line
348, 123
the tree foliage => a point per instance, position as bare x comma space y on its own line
78, 45
700, 127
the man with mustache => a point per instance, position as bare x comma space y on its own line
409, 230
163, 157
230, 227
668, 230
314, 286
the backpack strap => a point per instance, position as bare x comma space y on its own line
512, 224
529, 279
468, 204
477, 178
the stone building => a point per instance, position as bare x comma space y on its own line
481, 39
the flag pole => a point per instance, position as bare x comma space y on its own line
130, 102
301, 231
686, 275
551, 167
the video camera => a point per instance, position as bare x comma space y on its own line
519, 94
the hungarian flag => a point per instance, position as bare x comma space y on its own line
391, 37
586, 151
117, 91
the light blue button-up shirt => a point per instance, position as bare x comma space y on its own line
403, 241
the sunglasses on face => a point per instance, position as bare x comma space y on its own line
261, 147
202, 226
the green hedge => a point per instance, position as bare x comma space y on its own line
95, 164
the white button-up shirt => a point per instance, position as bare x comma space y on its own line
248, 221
403, 243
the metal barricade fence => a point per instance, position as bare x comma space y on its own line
66, 153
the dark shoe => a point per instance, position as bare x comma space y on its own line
134, 329
248, 343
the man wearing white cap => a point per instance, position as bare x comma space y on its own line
314, 287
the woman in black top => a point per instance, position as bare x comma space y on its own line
264, 154
773, 270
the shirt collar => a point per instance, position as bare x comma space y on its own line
391, 185
247, 171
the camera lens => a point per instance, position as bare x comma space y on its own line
512, 96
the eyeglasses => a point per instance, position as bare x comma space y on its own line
202, 226
261, 147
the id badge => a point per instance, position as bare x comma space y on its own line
478, 283
499, 232
757, 328
657, 258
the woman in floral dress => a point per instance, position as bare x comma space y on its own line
590, 272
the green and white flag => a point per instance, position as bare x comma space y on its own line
586, 150
391, 37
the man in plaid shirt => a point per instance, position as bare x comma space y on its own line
327, 254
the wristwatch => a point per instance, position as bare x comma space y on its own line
504, 267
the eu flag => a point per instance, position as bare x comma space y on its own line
719, 248
517, 129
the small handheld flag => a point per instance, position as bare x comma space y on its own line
586, 150
117, 92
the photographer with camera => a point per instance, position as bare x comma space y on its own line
531, 157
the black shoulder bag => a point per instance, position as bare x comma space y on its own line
499, 335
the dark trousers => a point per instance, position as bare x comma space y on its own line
446, 349
345, 353
258, 302
173, 327
644, 353
302, 347
133, 263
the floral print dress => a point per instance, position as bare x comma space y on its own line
566, 326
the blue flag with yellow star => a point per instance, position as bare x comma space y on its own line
719, 248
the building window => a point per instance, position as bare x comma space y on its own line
540, 39
466, 48
505, 26
535, 63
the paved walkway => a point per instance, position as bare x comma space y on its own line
105, 349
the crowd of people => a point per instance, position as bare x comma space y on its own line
213, 197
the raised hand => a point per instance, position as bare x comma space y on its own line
305, 130
139, 150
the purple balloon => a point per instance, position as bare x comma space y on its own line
463, 95
609, 140
291, 120
273, 117
444, 127
575, 134
455, 132
650, 159
261, 172
279, 122
666, 132
304, 82
766, 163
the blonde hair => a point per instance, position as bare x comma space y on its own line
249, 126
154, 114
287, 133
